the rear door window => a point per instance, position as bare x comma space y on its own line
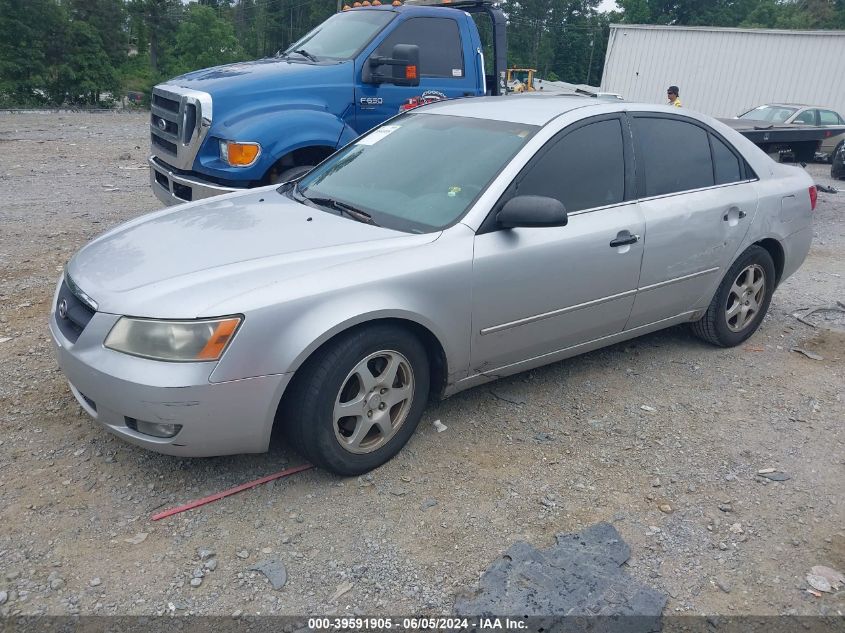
584, 169
828, 117
674, 155
439, 41
807, 117
726, 166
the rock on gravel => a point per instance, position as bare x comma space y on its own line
580, 575
205, 553
274, 570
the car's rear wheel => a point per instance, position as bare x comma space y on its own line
357, 401
741, 302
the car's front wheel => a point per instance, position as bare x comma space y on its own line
741, 302
358, 400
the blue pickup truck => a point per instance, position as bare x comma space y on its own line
261, 122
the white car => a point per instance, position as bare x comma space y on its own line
795, 114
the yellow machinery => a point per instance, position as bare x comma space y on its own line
521, 79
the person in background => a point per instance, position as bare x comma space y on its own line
672, 93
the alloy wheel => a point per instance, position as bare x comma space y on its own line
373, 402
745, 297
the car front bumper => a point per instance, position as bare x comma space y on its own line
222, 418
173, 188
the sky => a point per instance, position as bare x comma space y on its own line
608, 5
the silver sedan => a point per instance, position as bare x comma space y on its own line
458, 243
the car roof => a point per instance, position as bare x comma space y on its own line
796, 105
525, 108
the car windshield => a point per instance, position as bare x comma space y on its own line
418, 173
342, 35
770, 113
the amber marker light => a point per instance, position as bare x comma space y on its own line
239, 154
219, 340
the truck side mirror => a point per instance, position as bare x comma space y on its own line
404, 63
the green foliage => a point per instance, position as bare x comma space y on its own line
562, 39
85, 70
204, 40
791, 14
28, 49
55, 52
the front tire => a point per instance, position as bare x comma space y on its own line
357, 401
290, 174
741, 302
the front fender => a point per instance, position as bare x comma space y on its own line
279, 132
278, 337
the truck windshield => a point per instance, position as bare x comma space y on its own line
342, 35
770, 113
418, 173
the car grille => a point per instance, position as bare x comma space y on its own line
72, 314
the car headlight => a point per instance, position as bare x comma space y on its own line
239, 154
200, 340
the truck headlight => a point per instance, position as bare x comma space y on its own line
200, 340
239, 154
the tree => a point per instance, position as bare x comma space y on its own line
86, 70
204, 40
30, 33
157, 20
109, 20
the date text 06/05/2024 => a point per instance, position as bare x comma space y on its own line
416, 624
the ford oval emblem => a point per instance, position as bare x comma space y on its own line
162, 124
63, 308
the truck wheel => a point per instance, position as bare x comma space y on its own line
355, 403
291, 174
741, 302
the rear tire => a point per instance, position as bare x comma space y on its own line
356, 402
741, 301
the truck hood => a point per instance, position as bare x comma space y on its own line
180, 262
260, 76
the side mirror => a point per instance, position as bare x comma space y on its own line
404, 63
532, 211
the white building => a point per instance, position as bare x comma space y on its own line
725, 72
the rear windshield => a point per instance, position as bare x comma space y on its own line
772, 114
419, 172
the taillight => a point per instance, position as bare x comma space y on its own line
814, 195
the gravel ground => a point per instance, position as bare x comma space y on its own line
662, 436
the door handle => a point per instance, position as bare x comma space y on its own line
624, 239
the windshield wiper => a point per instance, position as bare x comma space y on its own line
305, 54
341, 207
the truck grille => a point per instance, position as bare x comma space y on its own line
179, 122
165, 103
164, 144
72, 314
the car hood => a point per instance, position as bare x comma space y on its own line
183, 261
